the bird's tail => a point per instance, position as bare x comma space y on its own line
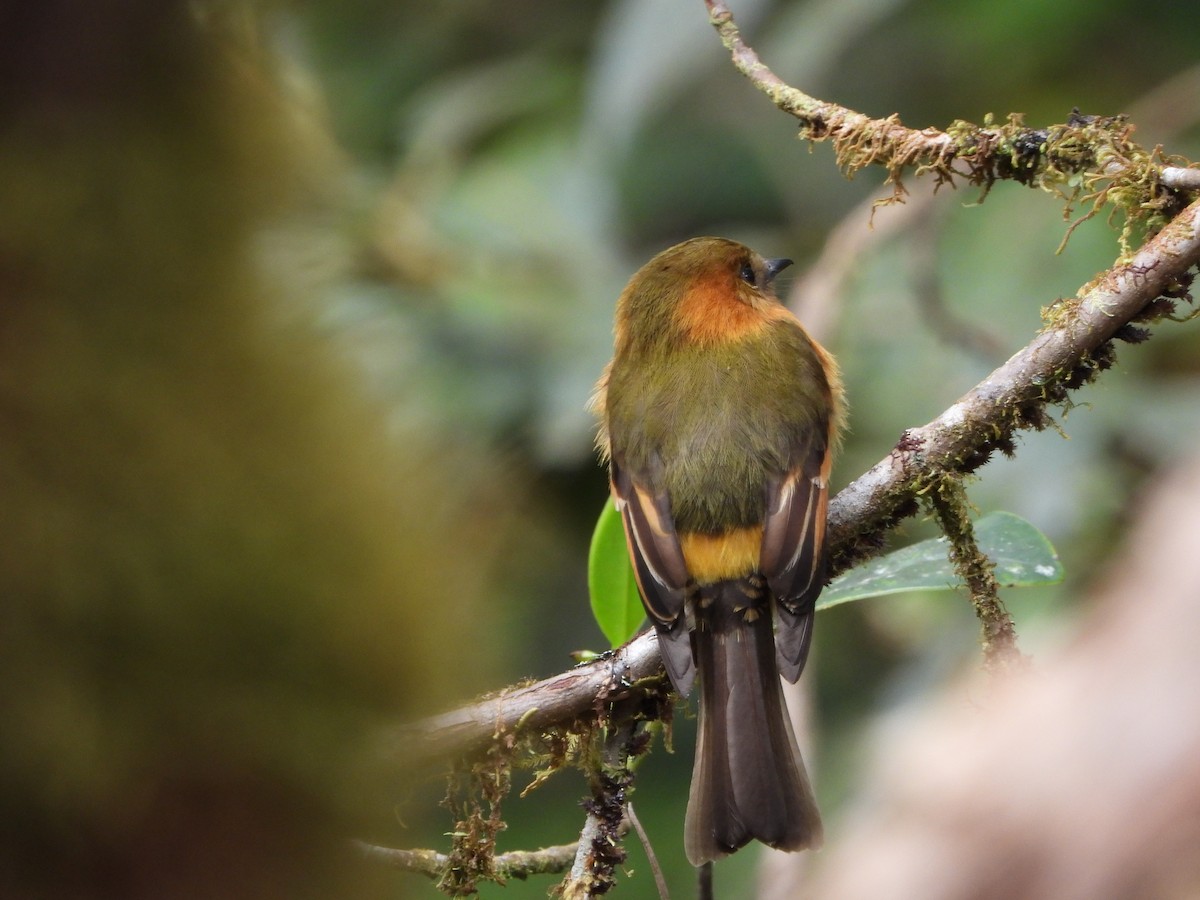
748, 781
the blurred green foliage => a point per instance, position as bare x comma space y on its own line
482, 179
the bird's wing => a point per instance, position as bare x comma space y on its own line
794, 554
659, 568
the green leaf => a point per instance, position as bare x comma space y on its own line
616, 604
1022, 554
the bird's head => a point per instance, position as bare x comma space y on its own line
704, 290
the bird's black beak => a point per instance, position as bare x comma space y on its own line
773, 267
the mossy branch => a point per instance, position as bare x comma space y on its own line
600, 850
625, 683
1075, 345
472, 856
947, 498
1088, 160
600, 729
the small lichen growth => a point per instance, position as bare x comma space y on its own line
474, 797
1088, 162
947, 499
477, 788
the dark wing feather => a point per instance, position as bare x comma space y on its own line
794, 554
660, 570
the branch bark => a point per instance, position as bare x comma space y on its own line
515, 864
555, 701
1014, 395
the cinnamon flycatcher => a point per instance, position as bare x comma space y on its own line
719, 418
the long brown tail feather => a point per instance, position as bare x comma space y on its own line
748, 781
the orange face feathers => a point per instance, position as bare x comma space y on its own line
715, 308
706, 290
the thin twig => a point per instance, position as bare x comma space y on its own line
659, 879
429, 863
814, 292
518, 864
945, 324
1180, 178
889, 141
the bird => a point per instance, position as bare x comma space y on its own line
719, 417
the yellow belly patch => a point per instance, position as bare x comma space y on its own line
716, 557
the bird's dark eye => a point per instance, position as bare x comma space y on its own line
748, 275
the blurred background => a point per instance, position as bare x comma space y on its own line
432, 208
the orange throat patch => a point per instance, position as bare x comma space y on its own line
711, 312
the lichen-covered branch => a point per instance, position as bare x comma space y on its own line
519, 864
592, 717
1090, 160
623, 679
948, 499
1067, 353
1181, 179
858, 139
478, 820
600, 850
590, 862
